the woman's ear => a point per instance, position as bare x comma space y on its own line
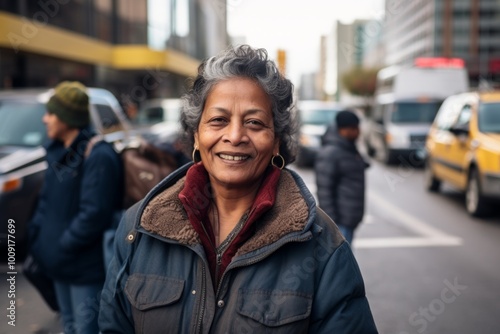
196, 140
276, 147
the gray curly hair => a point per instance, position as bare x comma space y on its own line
243, 62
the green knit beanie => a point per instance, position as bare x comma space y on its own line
70, 103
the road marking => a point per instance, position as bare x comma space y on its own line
429, 235
405, 242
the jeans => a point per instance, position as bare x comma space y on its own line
347, 232
79, 307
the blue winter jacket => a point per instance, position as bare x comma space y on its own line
76, 205
295, 274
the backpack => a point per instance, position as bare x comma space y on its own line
144, 166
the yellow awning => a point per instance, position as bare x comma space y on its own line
21, 34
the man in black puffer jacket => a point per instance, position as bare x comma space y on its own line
340, 174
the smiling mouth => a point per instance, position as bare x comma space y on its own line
233, 157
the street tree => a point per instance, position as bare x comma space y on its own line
360, 81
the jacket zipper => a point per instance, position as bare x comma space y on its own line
219, 251
261, 257
219, 261
203, 298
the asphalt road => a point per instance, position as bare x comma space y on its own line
428, 266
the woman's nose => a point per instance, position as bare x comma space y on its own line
236, 133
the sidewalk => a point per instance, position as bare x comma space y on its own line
33, 316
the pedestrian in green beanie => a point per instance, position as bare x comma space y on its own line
70, 103
80, 200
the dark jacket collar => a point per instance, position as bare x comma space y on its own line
56, 150
196, 198
165, 215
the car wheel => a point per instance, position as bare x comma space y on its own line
431, 182
475, 203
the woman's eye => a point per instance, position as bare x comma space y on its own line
255, 123
217, 120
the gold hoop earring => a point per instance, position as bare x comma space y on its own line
193, 155
282, 161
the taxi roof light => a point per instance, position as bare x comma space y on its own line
439, 62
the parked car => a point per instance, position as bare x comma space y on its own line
160, 118
158, 121
22, 157
463, 149
314, 118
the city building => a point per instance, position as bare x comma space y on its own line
308, 88
138, 49
374, 47
467, 29
321, 78
351, 48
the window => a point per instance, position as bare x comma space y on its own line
159, 23
9, 6
182, 18
132, 22
151, 115
489, 117
415, 112
464, 117
72, 15
21, 123
103, 20
318, 116
109, 121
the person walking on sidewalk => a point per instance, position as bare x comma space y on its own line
77, 203
340, 174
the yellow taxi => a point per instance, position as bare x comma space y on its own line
463, 149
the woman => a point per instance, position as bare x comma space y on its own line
234, 243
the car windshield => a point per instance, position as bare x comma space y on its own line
318, 116
155, 115
489, 117
21, 123
415, 112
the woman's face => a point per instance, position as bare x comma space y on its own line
236, 133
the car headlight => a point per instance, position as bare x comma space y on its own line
8, 185
397, 139
310, 141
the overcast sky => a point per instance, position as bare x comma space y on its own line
295, 26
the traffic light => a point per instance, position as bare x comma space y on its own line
282, 61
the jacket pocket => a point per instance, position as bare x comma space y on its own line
155, 301
276, 311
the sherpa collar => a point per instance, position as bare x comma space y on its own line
166, 216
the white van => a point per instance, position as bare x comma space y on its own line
406, 102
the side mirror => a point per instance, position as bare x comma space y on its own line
460, 130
